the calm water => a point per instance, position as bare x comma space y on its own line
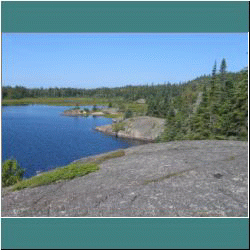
40, 138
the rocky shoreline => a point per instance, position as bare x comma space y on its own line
143, 128
82, 112
107, 129
174, 179
140, 128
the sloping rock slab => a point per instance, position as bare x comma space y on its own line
141, 128
176, 179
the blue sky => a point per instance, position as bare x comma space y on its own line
112, 59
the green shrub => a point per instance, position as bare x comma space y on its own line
220, 137
11, 173
243, 135
198, 136
122, 107
75, 108
68, 172
118, 126
128, 114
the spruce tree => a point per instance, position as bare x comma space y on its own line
214, 70
213, 80
223, 66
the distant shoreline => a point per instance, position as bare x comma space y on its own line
57, 101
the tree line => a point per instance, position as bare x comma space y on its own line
129, 92
210, 106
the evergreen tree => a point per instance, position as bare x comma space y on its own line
223, 66
214, 70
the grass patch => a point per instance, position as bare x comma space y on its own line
101, 159
112, 155
166, 176
64, 173
113, 116
137, 109
69, 172
140, 109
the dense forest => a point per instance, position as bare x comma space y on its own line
213, 106
214, 109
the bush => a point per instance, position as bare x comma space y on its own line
94, 108
11, 173
118, 126
128, 114
121, 107
64, 173
75, 108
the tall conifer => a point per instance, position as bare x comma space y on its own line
214, 69
223, 66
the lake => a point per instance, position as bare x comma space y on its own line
40, 138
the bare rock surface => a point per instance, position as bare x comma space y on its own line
141, 127
75, 112
97, 113
175, 179
80, 112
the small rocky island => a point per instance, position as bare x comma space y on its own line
77, 111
